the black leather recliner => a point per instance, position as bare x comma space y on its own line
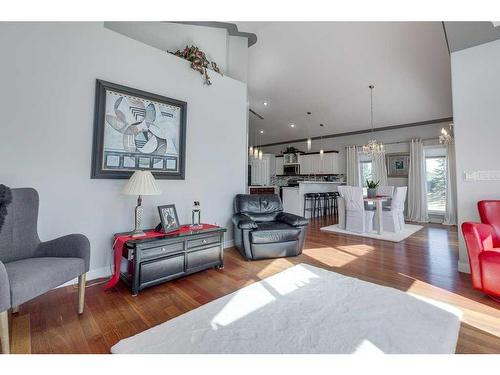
262, 230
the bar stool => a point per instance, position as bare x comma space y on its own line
332, 201
336, 195
311, 199
325, 200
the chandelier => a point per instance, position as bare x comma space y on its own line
373, 147
446, 136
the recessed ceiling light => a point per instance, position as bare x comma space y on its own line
292, 125
262, 132
265, 104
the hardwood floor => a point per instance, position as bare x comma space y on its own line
424, 264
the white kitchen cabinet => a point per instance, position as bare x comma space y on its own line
330, 163
262, 170
314, 164
279, 165
306, 164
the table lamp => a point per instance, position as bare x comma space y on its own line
140, 183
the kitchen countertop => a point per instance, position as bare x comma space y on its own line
321, 182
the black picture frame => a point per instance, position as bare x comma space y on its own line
167, 227
123, 165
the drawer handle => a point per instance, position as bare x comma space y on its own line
163, 249
204, 241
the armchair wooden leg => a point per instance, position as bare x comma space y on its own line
4, 331
81, 292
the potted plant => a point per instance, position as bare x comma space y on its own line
291, 150
372, 188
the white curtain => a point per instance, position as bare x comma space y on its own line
417, 192
352, 166
450, 216
379, 169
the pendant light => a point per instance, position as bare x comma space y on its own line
373, 147
321, 151
260, 145
250, 149
309, 140
255, 150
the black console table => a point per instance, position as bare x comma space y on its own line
151, 261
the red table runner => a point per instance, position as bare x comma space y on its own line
119, 243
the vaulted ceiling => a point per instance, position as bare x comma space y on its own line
326, 68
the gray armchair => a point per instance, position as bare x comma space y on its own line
262, 230
29, 267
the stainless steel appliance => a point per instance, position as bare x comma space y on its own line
291, 169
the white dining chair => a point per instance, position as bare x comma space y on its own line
387, 191
401, 207
341, 208
391, 217
358, 220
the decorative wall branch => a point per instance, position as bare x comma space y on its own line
199, 61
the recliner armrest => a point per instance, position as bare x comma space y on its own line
293, 220
4, 289
243, 221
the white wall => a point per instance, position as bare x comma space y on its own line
237, 58
48, 74
229, 52
476, 111
397, 135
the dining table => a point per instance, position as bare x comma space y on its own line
378, 200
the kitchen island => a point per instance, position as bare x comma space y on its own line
293, 197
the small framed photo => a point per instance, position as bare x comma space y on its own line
168, 217
398, 164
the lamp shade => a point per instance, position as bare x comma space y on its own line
141, 183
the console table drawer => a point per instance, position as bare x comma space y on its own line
160, 269
201, 257
159, 251
203, 241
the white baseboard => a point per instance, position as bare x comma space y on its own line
463, 267
98, 273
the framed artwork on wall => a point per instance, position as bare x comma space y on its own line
398, 164
137, 130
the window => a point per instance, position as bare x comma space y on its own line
435, 170
366, 171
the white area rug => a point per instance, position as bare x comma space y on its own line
385, 236
306, 309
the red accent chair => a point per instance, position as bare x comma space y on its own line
489, 212
483, 248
